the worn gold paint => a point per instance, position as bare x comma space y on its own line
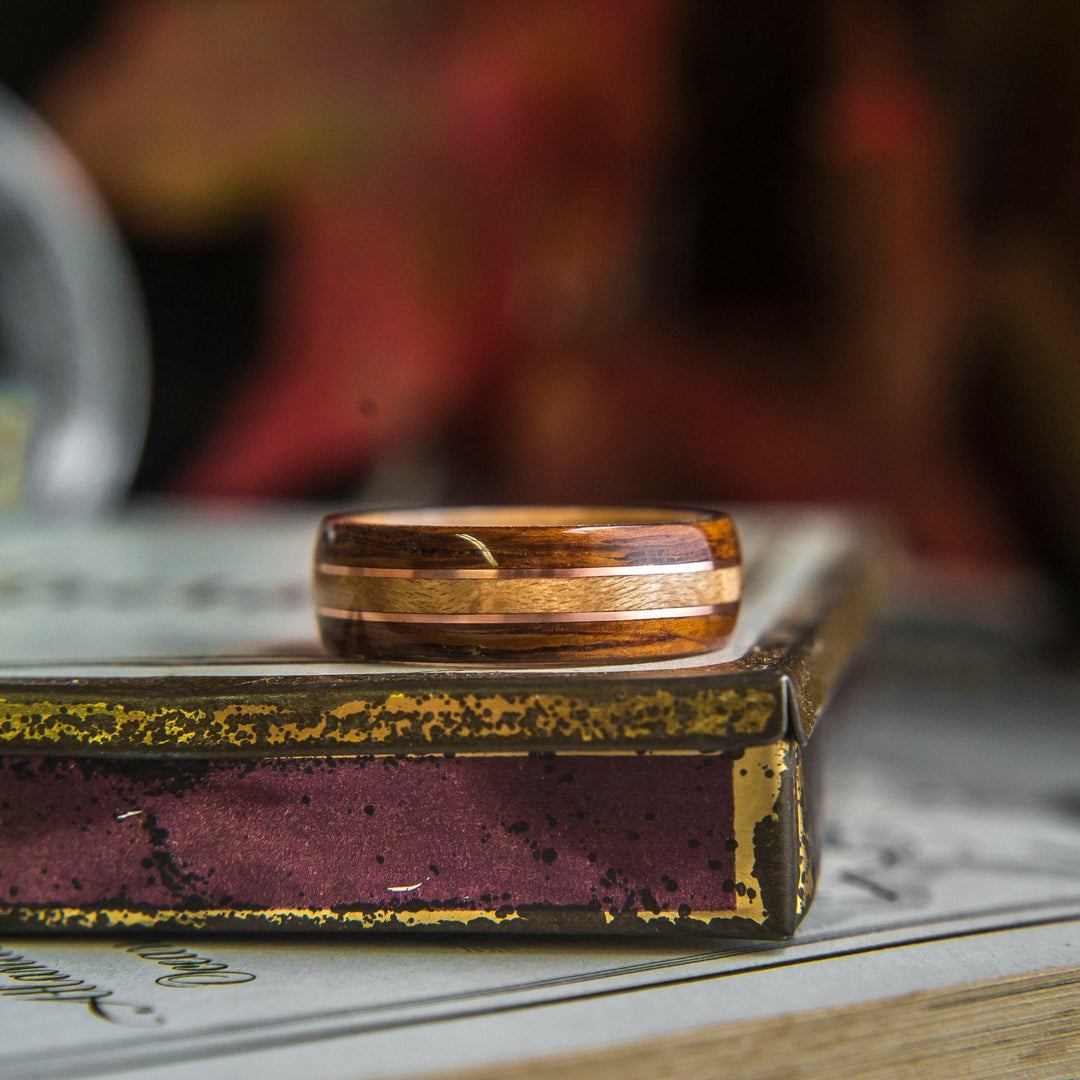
100, 723
95, 723
755, 797
745, 711
805, 891
68, 918
58, 918
292, 733
399, 723
241, 734
230, 712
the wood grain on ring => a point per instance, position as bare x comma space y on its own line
529, 584
618, 592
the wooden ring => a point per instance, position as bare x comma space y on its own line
528, 584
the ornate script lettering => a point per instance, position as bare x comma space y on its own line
34, 981
189, 969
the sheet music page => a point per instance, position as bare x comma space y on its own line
952, 855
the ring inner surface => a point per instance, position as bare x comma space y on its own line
518, 517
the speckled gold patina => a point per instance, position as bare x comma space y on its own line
97, 725
323, 722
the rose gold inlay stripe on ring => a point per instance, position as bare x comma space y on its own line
520, 616
518, 572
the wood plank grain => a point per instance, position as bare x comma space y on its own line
1024, 1027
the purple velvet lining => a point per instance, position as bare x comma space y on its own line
627, 833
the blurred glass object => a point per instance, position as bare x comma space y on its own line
74, 366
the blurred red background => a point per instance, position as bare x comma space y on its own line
596, 250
